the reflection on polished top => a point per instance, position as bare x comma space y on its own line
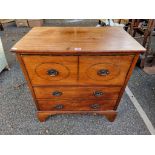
77, 40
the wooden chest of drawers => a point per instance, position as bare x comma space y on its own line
77, 70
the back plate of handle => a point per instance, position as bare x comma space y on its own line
52, 72
103, 72
59, 106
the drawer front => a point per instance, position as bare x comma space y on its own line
77, 92
51, 70
104, 70
75, 105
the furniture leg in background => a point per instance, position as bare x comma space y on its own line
145, 33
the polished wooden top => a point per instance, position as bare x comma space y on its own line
76, 40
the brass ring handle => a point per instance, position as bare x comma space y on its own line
57, 93
103, 72
59, 106
98, 93
52, 72
95, 106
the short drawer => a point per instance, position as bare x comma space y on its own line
104, 70
77, 92
76, 105
51, 70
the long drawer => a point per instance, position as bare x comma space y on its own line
77, 92
73, 105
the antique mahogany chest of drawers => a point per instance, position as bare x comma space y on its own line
77, 69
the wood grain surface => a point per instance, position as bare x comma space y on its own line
117, 67
38, 67
73, 105
77, 40
77, 92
